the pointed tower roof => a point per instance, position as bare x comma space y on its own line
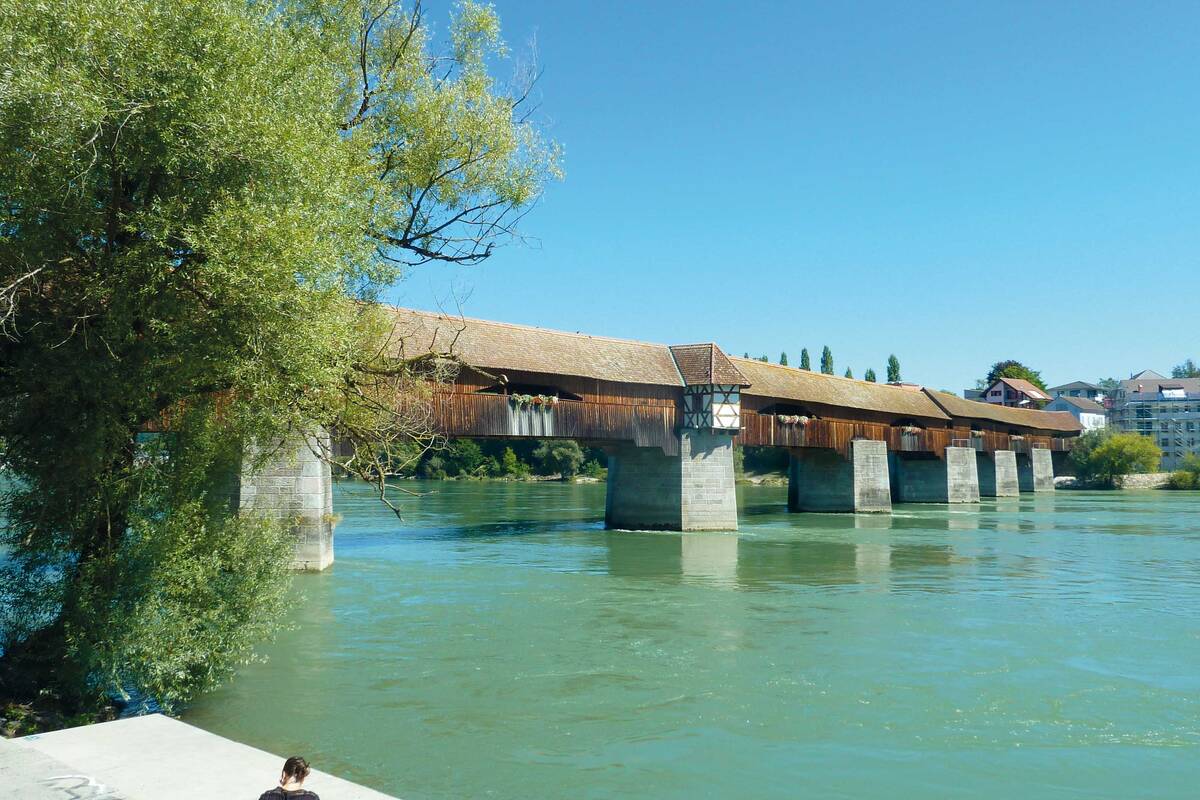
705, 365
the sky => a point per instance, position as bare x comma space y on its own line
956, 183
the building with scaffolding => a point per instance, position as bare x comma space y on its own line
1165, 409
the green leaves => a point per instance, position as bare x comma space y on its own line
1105, 456
195, 197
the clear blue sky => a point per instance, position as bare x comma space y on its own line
953, 182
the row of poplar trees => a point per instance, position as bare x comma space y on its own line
893, 365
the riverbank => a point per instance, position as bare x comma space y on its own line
1147, 480
27, 718
147, 758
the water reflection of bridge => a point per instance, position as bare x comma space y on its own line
753, 564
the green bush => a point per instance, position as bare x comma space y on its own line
1188, 474
1182, 479
464, 457
512, 466
434, 468
1105, 456
558, 457
593, 469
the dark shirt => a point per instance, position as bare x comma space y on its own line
282, 794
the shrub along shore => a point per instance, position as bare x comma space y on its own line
1106, 459
557, 459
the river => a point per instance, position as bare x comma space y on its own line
500, 643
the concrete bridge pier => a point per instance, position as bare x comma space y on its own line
924, 478
692, 491
296, 485
997, 474
1035, 471
820, 479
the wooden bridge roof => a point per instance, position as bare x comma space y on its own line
501, 346
960, 408
803, 386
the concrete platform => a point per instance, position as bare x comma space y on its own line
148, 758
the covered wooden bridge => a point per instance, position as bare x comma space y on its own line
668, 416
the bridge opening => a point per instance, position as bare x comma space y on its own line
790, 409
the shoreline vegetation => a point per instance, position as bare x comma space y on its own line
556, 460
1108, 459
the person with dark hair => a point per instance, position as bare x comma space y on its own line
295, 770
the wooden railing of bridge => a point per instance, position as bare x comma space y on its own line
769, 430
492, 415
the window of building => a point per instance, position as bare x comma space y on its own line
1164, 442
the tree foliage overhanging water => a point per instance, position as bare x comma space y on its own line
196, 199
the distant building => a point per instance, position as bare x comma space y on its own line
1165, 409
1083, 389
1091, 415
972, 394
1015, 392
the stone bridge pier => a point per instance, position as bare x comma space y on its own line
1035, 471
821, 479
997, 474
296, 485
692, 491
925, 478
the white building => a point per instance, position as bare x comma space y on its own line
1091, 415
1083, 389
1165, 409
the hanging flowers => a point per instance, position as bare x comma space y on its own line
522, 400
911, 430
792, 419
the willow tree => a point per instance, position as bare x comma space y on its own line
199, 197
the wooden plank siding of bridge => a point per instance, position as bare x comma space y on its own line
614, 391
644, 421
765, 430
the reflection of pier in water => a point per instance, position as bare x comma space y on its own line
734, 561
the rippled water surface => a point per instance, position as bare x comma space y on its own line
500, 643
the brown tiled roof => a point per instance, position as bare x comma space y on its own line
803, 386
1082, 403
1075, 385
1022, 385
703, 364
959, 408
498, 345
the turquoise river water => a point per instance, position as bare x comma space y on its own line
499, 643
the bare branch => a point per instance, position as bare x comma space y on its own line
9, 296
